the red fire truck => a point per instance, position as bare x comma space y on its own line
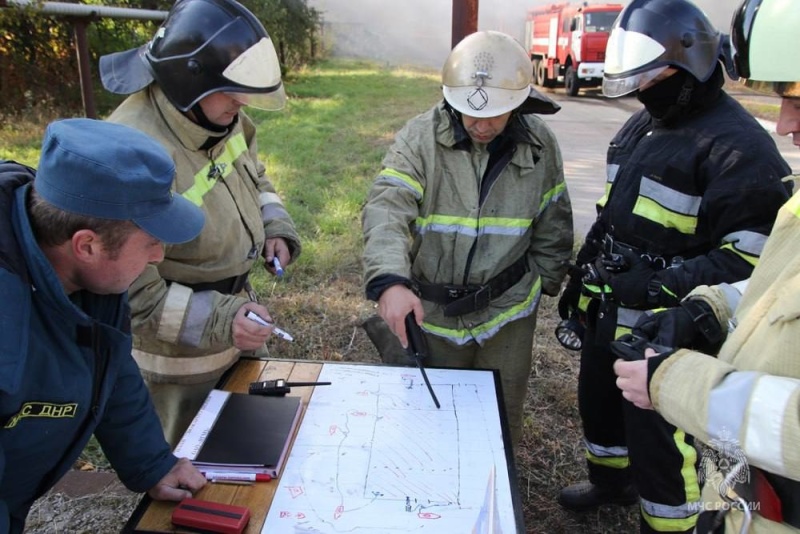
567, 43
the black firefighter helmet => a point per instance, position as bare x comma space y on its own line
203, 47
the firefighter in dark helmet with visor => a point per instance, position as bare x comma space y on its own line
693, 185
187, 86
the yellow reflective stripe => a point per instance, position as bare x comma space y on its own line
503, 222
653, 211
667, 290
663, 524
548, 197
621, 331
752, 260
597, 290
604, 199
793, 205
473, 226
677, 518
583, 302
461, 335
688, 470
205, 179
405, 178
614, 462
447, 220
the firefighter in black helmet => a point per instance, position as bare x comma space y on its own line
187, 86
742, 400
693, 188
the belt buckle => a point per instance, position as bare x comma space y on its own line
455, 292
482, 297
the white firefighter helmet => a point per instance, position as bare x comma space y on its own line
764, 39
650, 36
487, 74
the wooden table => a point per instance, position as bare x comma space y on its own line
154, 516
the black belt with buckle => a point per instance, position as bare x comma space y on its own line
462, 299
227, 286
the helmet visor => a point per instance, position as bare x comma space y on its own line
257, 74
613, 88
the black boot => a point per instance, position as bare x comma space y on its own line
585, 496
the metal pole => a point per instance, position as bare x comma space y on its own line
465, 19
84, 70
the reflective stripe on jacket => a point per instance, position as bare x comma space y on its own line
702, 189
241, 208
425, 218
748, 397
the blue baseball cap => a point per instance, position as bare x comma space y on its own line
111, 171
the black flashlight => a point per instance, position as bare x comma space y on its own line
569, 332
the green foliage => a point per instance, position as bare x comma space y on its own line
324, 149
293, 27
38, 59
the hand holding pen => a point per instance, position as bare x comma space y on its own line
276, 264
283, 334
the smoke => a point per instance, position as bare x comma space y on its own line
417, 32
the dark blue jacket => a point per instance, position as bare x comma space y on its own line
66, 372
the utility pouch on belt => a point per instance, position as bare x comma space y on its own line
460, 300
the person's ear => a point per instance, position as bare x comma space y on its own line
86, 246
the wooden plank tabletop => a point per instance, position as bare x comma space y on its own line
154, 516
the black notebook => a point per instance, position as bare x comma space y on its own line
237, 432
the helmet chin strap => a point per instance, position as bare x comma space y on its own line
196, 114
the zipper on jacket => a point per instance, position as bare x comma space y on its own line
101, 358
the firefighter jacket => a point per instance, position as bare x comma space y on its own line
171, 320
66, 372
698, 195
748, 397
435, 217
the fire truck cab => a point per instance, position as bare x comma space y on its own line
567, 43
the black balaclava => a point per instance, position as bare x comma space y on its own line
202, 120
681, 94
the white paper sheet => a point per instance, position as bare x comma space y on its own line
374, 455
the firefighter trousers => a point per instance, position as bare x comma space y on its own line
510, 351
627, 445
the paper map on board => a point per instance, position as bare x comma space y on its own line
374, 455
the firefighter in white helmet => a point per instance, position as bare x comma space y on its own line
741, 400
693, 188
469, 221
207, 60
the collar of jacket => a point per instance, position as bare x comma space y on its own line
190, 134
451, 132
703, 96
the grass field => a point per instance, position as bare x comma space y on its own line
322, 153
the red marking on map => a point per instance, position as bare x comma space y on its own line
338, 513
428, 515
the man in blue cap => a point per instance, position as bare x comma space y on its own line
74, 235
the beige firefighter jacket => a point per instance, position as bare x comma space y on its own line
241, 207
749, 396
423, 219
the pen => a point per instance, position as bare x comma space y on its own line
278, 267
215, 476
253, 316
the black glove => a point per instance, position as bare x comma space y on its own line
568, 303
631, 287
690, 325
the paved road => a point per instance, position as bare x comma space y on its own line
584, 127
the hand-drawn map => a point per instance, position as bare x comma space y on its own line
374, 455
